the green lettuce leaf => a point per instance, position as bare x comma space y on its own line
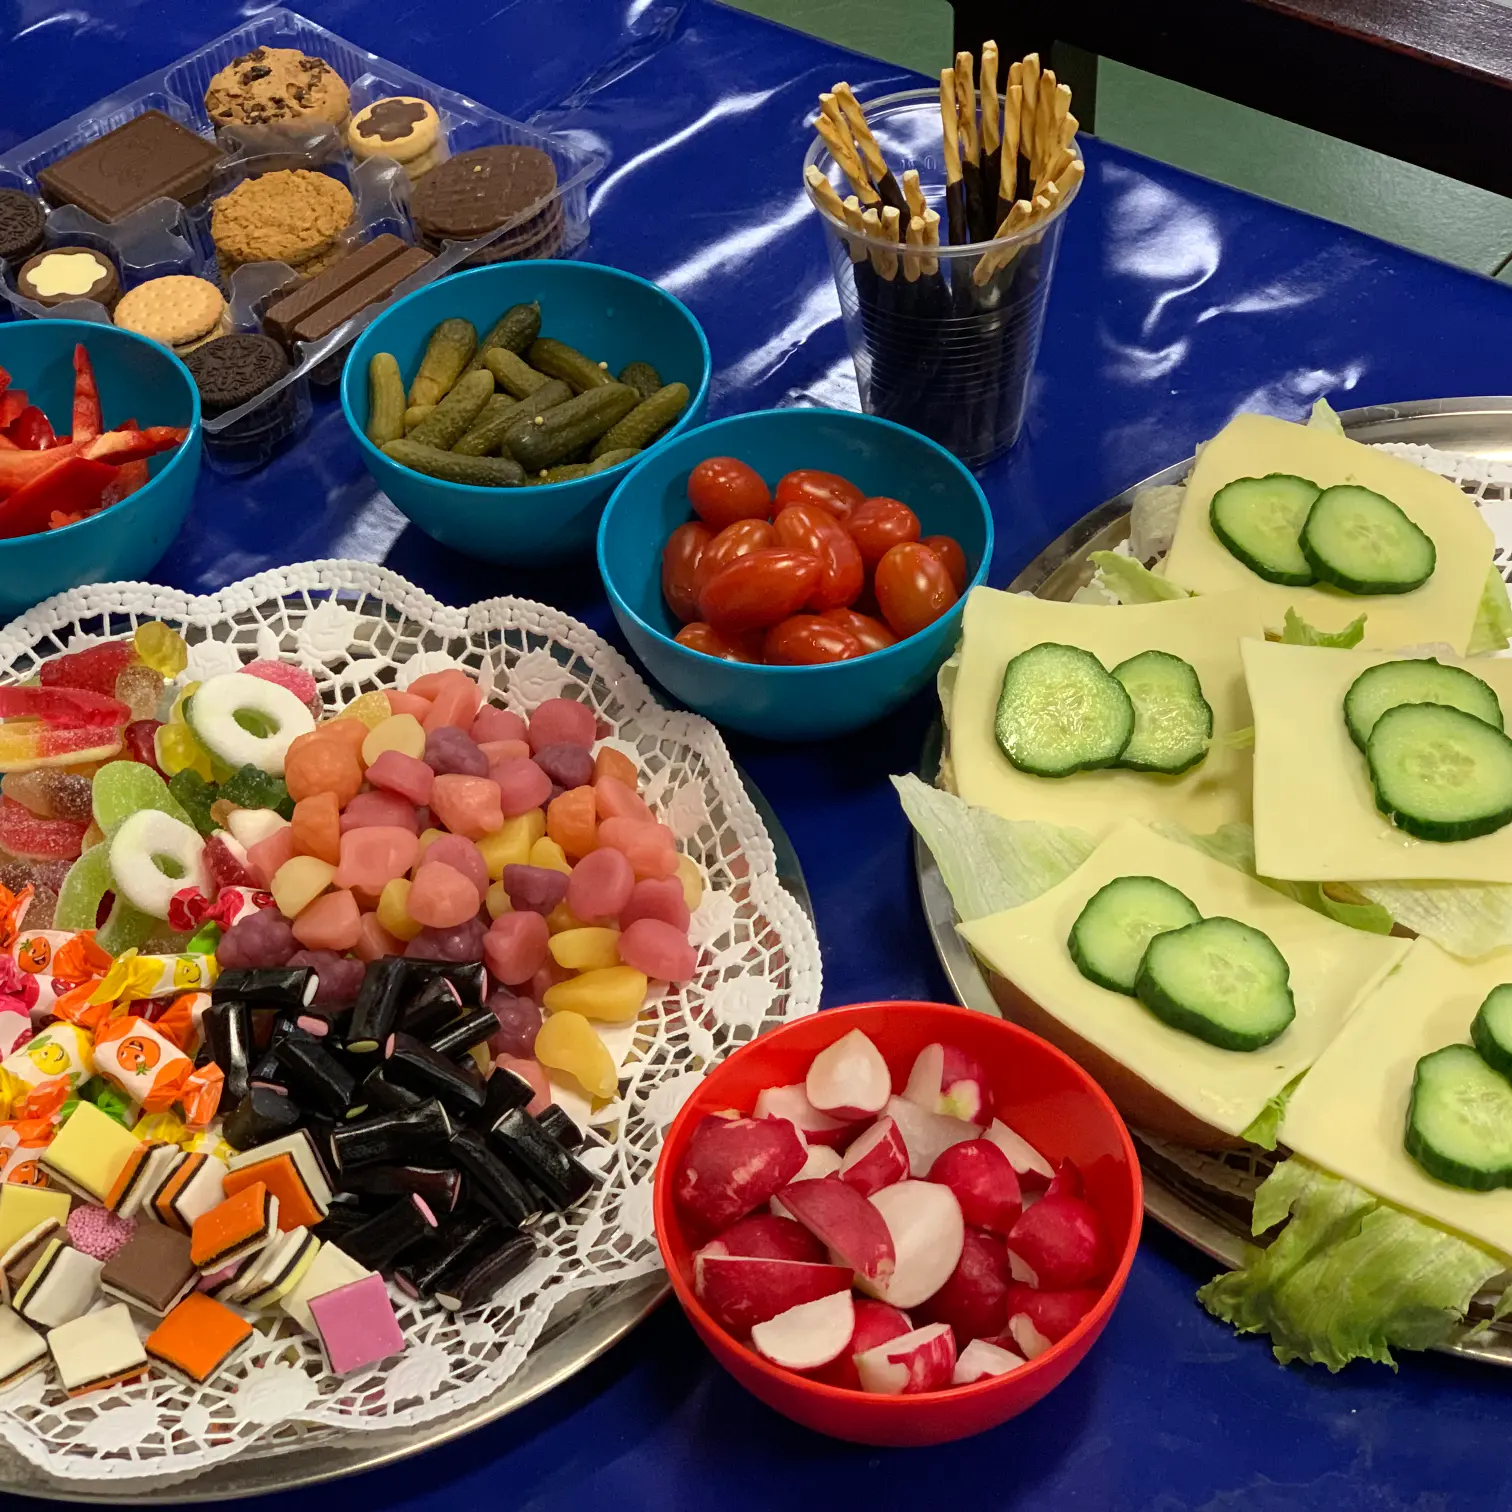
1297, 632
987, 862
1152, 520
1325, 417
1131, 583
1349, 1277
1265, 1127
1492, 630
1468, 919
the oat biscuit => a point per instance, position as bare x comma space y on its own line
292, 216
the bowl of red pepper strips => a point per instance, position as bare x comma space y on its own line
99, 453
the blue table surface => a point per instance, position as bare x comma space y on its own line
1178, 302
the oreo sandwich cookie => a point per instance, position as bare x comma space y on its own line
22, 219
231, 370
476, 192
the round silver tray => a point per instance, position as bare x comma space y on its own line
580, 1330
1206, 1198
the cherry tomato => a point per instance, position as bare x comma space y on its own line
679, 571
872, 633
701, 637
805, 640
806, 527
737, 540
913, 588
723, 490
759, 589
832, 493
880, 524
948, 549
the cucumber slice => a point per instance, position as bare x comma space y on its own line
1440, 773
1113, 931
1060, 712
1260, 520
1173, 722
1459, 1123
1491, 1029
1360, 541
1415, 682
1219, 980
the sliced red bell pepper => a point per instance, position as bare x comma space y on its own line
8, 445
4, 380
86, 399
31, 430
129, 477
57, 519
18, 468
12, 403
73, 486
119, 446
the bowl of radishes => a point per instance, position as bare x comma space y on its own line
898, 1223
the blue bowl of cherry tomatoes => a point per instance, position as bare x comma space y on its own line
794, 573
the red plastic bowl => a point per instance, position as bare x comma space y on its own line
1042, 1094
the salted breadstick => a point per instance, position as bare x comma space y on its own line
1060, 108
855, 120
912, 263
1068, 130
913, 192
890, 232
1044, 142
871, 222
1027, 139
844, 154
971, 149
1059, 160
1008, 174
931, 265
1015, 220
1067, 180
992, 110
829, 200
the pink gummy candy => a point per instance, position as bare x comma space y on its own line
286, 675
408, 702
601, 884
503, 750
614, 799
391, 810
331, 922
562, 721
468, 805
97, 1233
374, 855
658, 950
440, 897
454, 702
649, 848
407, 776
532, 1072
23, 834
515, 946
522, 785
374, 941
497, 724
264, 858
656, 898
461, 855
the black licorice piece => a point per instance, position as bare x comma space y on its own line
431, 1005
343, 1216
390, 1138
314, 1076
227, 1028
461, 1035
558, 1123
263, 1114
441, 1186
413, 1064
381, 1093
481, 1269
470, 978
503, 1091
490, 1181
266, 986
536, 1156
434, 1256
383, 1238
376, 1011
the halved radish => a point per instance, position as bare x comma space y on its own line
792, 1104
1033, 1170
1053, 1314
983, 1180
734, 1165
742, 1291
947, 1080
809, 1335
981, 1359
878, 1159
926, 1134
849, 1079
1067, 1181
1029, 1339
840, 1217
876, 1323
822, 1161
974, 1298
915, 1362
924, 1221
763, 1236
1058, 1243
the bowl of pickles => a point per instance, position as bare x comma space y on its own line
499, 408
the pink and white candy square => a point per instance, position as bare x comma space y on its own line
357, 1324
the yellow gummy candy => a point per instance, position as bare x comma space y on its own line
611, 994
298, 882
427, 839
176, 713
178, 750
398, 732
161, 648
497, 900
510, 846
371, 708
549, 854
692, 881
566, 1043
583, 948
393, 910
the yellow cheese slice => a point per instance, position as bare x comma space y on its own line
1250, 446
1350, 1112
1332, 967
1315, 814
1206, 632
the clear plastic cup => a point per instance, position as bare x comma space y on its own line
938, 345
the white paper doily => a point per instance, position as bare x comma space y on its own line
357, 626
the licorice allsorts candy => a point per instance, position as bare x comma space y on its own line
504, 1089
441, 1186
263, 1114
481, 1269
227, 1028
535, 1155
314, 1075
490, 1181
470, 978
558, 1123
430, 1007
383, 1238
266, 986
378, 1092
376, 1011
435, 1255
390, 1138
461, 1035
413, 1064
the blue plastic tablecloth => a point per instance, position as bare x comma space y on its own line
1177, 303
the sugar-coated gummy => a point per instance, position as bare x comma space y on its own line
450, 751
561, 721
519, 1022
516, 946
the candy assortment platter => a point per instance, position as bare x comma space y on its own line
356, 629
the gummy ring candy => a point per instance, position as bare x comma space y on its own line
145, 850
219, 701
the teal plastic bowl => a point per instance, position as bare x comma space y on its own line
139, 380
612, 316
788, 703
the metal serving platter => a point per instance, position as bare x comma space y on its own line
581, 1329
1206, 1198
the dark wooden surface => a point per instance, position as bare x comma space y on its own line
1427, 81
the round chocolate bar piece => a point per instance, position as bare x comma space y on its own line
22, 220
476, 192
233, 369
63, 273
